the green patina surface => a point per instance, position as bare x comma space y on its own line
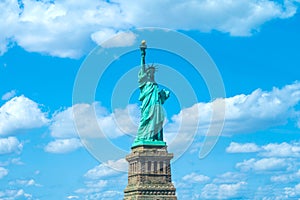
150, 131
149, 143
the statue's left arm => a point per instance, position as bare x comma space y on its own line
164, 95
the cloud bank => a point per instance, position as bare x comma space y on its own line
71, 28
244, 113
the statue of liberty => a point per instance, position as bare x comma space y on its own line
150, 131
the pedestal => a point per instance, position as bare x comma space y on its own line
149, 174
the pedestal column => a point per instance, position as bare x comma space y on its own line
152, 178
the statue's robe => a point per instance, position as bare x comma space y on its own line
152, 113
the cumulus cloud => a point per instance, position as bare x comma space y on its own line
90, 121
230, 177
20, 113
17, 161
14, 161
264, 164
3, 172
93, 120
62, 125
9, 95
24, 183
293, 192
109, 168
108, 39
100, 171
286, 178
195, 178
107, 194
279, 160
283, 149
110, 195
259, 110
14, 194
244, 113
245, 16
102, 180
242, 148
10, 145
223, 191
49, 26
270, 192
63, 145
93, 187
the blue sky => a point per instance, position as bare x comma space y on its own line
45, 46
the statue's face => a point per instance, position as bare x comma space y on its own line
151, 73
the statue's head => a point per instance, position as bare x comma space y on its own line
151, 71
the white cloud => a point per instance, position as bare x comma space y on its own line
63, 145
62, 125
108, 38
65, 28
293, 192
236, 17
62, 28
286, 178
281, 150
244, 113
10, 145
9, 95
97, 188
93, 187
264, 164
270, 192
15, 194
72, 197
242, 148
101, 36
259, 110
20, 113
94, 121
109, 168
127, 120
195, 178
89, 121
229, 177
24, 183
107, 195
223, 191
3, 172
15, 161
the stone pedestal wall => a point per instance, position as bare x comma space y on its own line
149, 174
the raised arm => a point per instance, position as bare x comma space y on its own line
143, 48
